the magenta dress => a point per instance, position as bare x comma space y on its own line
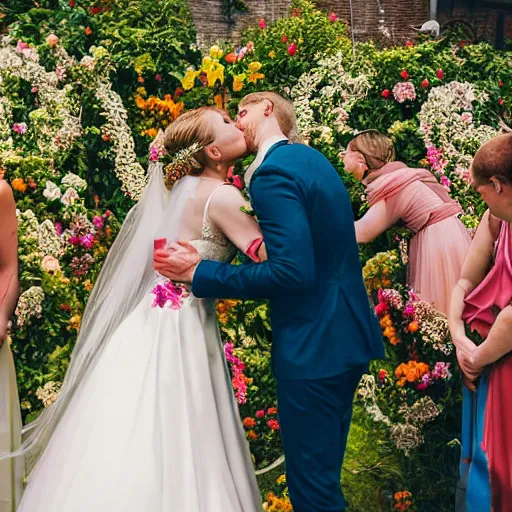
441, 241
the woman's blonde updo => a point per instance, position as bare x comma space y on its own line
376, 148
184, 141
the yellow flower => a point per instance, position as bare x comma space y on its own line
281, 479
255, 66
189, 79
74, 322
139, 101
88, 285
255, 77
238, 82
207, 61
141, 91
272, 54
214, 73
216, 52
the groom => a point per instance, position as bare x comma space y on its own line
324, 332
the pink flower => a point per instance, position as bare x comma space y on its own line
237, 366
445, 182
435, 159
74, 240
156, 152
58, 228
500, 101
250, 46
284, 39
22, 46
404, 91
333, 17
98, 222
273, 424
107, 214
158, 78
87, 241
466, 117
35, 90
409, 44
260, 414
52, 40
60, 71
20, 128
263, 24
292, 49
440, 74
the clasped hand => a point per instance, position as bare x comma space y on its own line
177, 262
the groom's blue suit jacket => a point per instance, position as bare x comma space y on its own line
322, 322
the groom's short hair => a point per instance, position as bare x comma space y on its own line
283, 110
493, 159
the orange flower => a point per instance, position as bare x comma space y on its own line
19, 185
152, 132
252, 435
413, 326
249, 422
140, 79
88, 31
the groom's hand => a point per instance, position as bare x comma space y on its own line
177, 262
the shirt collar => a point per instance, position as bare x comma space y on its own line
260, 156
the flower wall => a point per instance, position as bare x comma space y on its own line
84, 93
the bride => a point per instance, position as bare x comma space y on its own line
146, 420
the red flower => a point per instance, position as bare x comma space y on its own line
440, 74
230, 58
32, 184
234, 180
409, 44
65, 307
463, 43
296, 12
95, 10
385, 93
271, 411
333, 17
425, 84
284, 39
273, 424
292, 49
383, 374
260, 414
88, 31
404, 74
500, 101
249, 422
263, 24
500, 83
178, 92
71, 3
381, 309
158, 78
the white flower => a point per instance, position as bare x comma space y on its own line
48, 240
30, 305
69, 197
50, 264
72, 180
52, 191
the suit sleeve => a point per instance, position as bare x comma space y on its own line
279, 204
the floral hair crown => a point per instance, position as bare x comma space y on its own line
178, 165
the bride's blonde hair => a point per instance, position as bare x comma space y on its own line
184, 141
283, 110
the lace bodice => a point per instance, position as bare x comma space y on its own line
213, 245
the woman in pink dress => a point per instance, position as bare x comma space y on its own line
397, 193
10, 418
483, 299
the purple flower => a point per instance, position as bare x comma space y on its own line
98, 222
409, 310
87, 241
20, 128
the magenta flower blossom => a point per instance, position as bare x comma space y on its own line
170, 294
445, 182
435, 159
333, 17
87, 241
58, 228
158, 78
156, 152
74, 240
98, 222
20, 128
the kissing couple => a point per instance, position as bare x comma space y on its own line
146, 420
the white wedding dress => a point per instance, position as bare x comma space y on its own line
154, 426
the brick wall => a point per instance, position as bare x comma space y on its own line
400, 16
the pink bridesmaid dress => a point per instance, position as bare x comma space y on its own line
440, 242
